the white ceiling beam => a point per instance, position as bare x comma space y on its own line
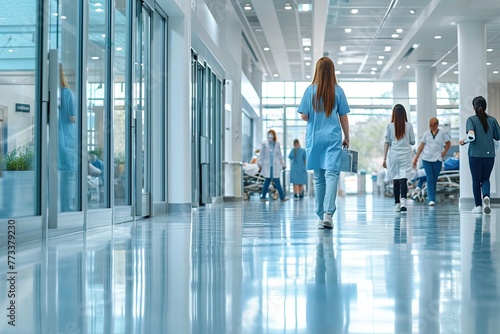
320, 15
265, 11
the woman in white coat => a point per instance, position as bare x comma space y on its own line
271, 163
399, 138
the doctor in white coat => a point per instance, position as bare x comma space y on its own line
271, 163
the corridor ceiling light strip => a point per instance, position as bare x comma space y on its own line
391, 7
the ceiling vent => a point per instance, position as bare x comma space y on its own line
409, 52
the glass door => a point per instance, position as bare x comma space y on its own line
142, 106
64, 117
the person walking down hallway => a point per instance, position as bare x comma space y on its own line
271, 162
298, 172
324, 107
482, 129
434, 145
399, 137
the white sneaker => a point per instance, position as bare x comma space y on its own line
432, 203
403, 205
320, 225
477, 209
327, 221
397, 208
487, 208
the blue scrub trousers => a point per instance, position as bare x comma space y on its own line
277, 184
480, 169
325, 187
432, 170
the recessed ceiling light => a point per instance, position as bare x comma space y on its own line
354, 11
489, 50
308, 63
400, 67
408, 66
266, 48
307, 48
379, 62
308, 76
412, 11
343, 48
247, 7
340, 62
387, 48
10, 50
395, 35
348, 30
119, 48
288, 6
95, 58
306, 42
373, 72
455, 72
444, 63
103, 35
381, 57
415, 46
437, 37
399, 30
488, 64
374, 68
63, 17
275, 75
98, 4
337, 72
495, 72
304, 7
99, 10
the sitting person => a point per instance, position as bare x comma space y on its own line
452, 163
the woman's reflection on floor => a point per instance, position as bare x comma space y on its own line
483, 279
429, 269
324, 309
399, 276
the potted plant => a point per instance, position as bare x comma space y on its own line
18, 183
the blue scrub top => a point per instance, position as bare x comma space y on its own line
323, 135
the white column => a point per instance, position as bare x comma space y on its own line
179, 125
401, 93
426, 79
472, 82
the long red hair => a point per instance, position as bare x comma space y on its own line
325, 79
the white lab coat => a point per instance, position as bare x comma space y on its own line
264, 160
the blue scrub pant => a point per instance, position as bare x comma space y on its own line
277, 184
432, 170
480, 169
325, 187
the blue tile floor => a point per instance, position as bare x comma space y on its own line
253, 267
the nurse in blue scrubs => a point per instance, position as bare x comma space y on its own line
324, 107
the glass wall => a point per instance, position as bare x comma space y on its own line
66, 112
19, 110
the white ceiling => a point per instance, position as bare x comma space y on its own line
268, 24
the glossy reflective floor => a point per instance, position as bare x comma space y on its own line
252, 267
